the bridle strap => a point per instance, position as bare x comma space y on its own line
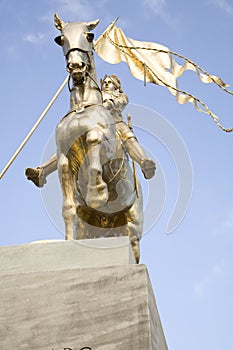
97, 86
69, 83
76, 49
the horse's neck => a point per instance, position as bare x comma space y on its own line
86, 94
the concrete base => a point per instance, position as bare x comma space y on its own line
103, 308
59, 255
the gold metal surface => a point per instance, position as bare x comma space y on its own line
100, 192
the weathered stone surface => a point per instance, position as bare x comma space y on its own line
104, 308
60, 255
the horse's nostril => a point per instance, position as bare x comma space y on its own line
75, 65
69, 67
80, 65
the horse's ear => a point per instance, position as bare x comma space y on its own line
91, 25
58, 22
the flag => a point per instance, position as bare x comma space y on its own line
154, 63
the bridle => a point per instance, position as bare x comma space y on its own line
88, 64
76, 49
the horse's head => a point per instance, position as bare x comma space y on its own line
77, 43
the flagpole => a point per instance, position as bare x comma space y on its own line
34, 127
108, 29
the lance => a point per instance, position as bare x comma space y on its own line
41, 117
133, 162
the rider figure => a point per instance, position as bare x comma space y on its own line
114, 100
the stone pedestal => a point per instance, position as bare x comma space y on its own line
48, 302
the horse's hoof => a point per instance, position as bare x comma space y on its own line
148, 168
36, 175
136, 250
97, 196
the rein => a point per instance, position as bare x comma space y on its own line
81, 81
97, 85
75, 110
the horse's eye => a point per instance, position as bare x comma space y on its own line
90, 36
59, 40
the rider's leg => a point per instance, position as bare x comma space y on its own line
38, 175
138, 154
135, 150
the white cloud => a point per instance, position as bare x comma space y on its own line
224, 5
216, 273
12, 51
223, 224
69, 7
79, 9
158, 8
34, 38
74, 10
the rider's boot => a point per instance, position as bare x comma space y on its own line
137, 153
38, 175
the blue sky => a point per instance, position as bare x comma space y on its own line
191, 268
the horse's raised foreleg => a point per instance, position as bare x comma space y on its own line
68, 188
97, 191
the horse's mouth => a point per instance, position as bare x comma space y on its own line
77, 71
78, 74
78, 81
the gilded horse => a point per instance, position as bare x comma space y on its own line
98, 186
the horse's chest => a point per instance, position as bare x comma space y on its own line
70, 129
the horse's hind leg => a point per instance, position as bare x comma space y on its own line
68, 188
97, 191
135, 225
